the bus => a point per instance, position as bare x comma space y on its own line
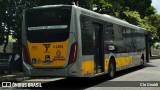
70, 41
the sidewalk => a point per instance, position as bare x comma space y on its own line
14, 77
155, 57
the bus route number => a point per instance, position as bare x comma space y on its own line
58, 46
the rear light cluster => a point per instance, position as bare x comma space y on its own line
73, 52
25, 55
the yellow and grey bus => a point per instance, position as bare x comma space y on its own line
70, 41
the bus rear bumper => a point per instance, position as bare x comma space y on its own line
33, 72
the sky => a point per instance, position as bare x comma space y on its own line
156, 4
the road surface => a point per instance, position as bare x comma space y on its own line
147, 78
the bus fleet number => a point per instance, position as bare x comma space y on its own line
58, 46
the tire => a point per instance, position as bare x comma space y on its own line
111, 70
142, 63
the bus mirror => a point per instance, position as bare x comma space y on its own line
111, 48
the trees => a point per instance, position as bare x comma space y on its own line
11, 15
10, 20
6, 21
152, 24
2, 38
138, 12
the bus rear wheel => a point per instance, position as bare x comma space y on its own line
142, 63
111, 69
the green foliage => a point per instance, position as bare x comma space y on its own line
103, 7
2, 38
156, 46
138, 12
132, 17
152, 24
11, 15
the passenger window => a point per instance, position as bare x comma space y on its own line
127, 38
109, 39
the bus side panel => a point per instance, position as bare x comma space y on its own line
74, 69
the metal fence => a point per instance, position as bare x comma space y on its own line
155, 52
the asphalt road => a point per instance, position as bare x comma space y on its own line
147, 78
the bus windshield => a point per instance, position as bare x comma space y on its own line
48, 24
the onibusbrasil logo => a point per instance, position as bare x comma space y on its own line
13, 84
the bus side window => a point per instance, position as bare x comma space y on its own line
134, 41
119, 38
109, 39
127, 38
140, 40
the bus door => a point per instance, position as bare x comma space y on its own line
98, 46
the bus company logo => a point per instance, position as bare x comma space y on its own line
6, 84
58, 53
58, 56
47, 46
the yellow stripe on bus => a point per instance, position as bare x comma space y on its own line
120, 61
87, 67
123, 61
106, 63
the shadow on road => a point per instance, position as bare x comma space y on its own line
82, 83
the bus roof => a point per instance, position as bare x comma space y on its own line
103, 17
114, 20
49, 6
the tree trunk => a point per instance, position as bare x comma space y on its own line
150, 52
6, 41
